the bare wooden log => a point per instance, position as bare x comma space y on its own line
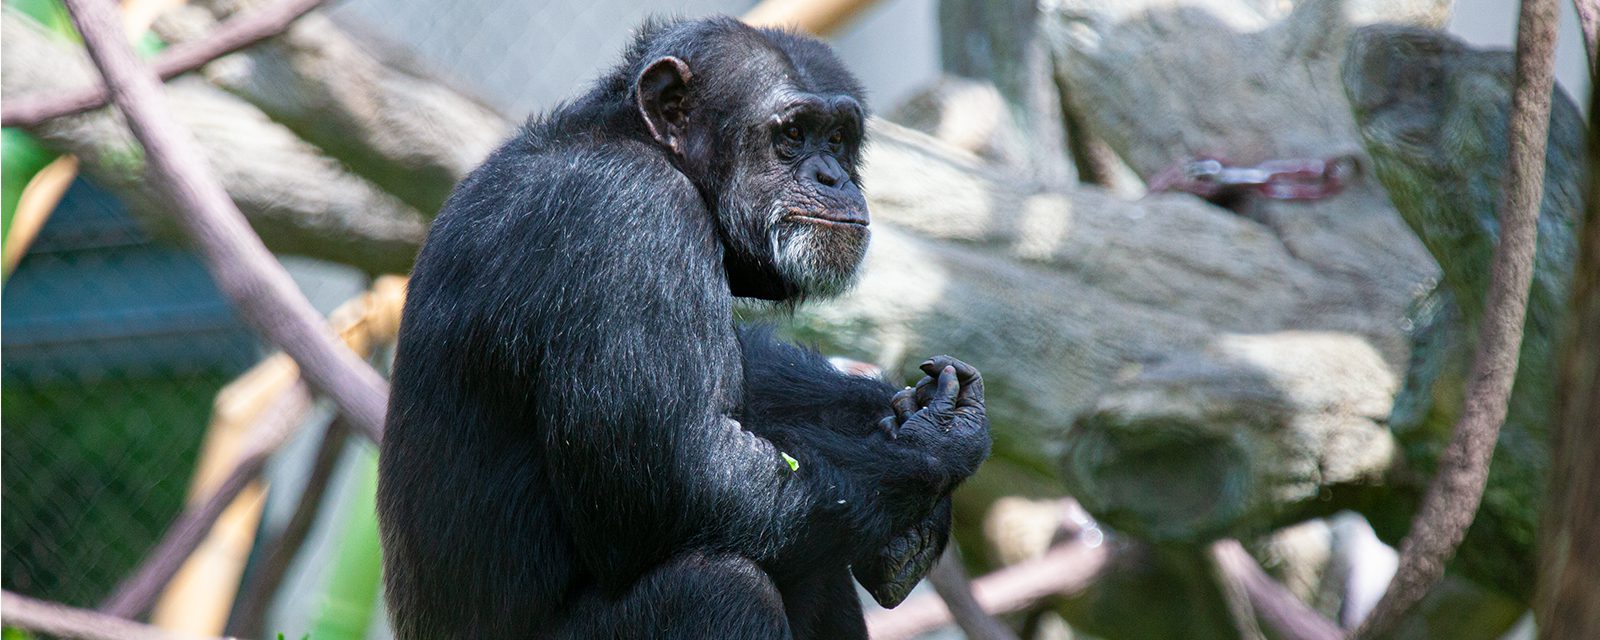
1162, 81
298, 199
821, 18
31, 110
253, 281
1089, 286
37, 201
21, 612
358, 99
1234, 440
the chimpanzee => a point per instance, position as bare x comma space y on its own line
582, 444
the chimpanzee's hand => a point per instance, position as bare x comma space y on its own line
944, 415
891, 572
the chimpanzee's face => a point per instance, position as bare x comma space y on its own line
772, 140
816, 217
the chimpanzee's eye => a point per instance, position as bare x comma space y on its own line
793, 133
836, 138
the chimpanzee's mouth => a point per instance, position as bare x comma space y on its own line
830, 217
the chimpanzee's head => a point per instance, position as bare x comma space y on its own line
768, 125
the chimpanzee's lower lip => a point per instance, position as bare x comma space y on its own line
825, 221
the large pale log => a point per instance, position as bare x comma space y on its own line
361, 100
1225, 441
1163, 80
298, 200
1057, 294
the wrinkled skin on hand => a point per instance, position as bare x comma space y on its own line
943, 415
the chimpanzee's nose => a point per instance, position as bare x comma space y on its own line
827, 172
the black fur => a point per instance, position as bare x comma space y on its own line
580, 442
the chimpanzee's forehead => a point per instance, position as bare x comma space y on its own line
789, 103
799, 80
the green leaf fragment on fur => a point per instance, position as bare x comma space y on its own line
794, 465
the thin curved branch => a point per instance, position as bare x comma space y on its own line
22, 612
263, 583
32, 109
1283, 613
1452, 499
1066, 568
951, 582
139, 591
251, 278
1589, 24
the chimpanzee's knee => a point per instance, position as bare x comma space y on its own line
696, 595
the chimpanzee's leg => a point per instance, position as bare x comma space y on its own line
695, 596
827, 608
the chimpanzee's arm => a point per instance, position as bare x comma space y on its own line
796, 397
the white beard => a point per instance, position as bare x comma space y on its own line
799, 254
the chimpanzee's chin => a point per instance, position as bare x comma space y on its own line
820, 261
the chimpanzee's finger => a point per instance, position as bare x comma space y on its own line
932, 366
971, 390
904, 404
926, 387
965, 372
947, 389
971, 381
890, 427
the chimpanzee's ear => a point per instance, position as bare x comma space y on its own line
663, 90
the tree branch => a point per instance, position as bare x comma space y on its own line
1589, 24
361, 100
950, 581
263, 583
22, 612
254, 282
1569, 551
1065, 568
1285, 614
138, 592
1452, 499
820, 18
31, 109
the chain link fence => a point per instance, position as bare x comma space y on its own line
114, 347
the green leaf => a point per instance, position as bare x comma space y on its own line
794, 465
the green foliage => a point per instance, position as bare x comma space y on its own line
352, 592
10, 633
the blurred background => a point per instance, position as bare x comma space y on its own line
130, 387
